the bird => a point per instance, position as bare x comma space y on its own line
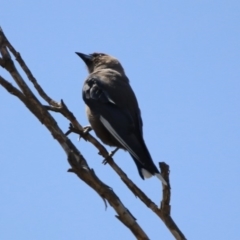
113, 111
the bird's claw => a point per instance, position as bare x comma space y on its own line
72, 129
85, 131
106, 160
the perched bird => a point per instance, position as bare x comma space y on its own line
113, 112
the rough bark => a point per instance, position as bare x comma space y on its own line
78, 163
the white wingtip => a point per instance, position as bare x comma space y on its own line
160, 177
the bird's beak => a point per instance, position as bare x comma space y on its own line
86, 58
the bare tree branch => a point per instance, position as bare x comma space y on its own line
11, 89
78, 164
75, 158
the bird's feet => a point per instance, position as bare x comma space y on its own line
85, 131
82, 133
106, 160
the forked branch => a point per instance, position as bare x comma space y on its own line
78, 163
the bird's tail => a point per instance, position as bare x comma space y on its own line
144, 173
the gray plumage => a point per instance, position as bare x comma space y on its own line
113, 112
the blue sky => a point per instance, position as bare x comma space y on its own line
182, 58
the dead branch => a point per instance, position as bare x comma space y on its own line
78, 163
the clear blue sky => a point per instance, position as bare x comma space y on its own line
183, 61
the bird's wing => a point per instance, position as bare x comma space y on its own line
118, 111
93, 90
118, 90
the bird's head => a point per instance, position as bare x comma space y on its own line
96, 61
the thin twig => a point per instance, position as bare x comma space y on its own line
29, 74
11, 89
